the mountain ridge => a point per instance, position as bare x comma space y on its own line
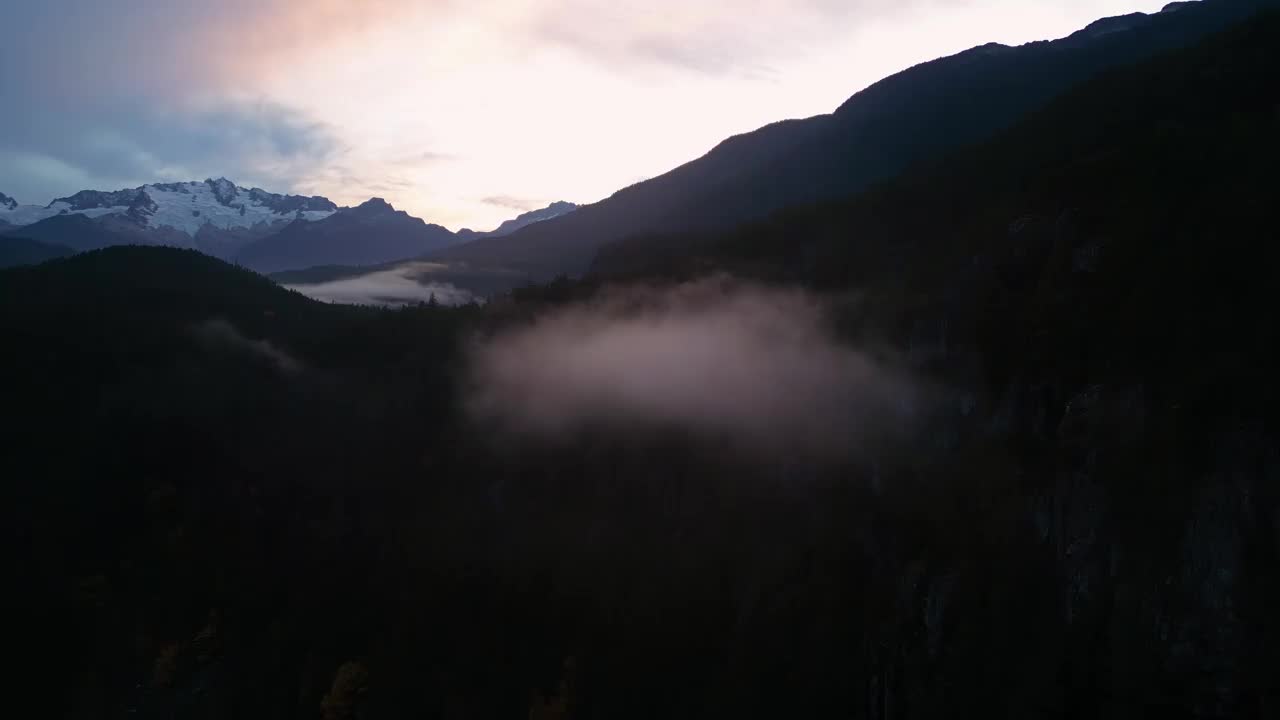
186, 207
223, 219
554, 210
371, 233
877, 133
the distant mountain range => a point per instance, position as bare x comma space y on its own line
21, 251
916, 116
186, 207
262, 230
371, 233
554, 210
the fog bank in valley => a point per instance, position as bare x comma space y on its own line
716, 358
401, 285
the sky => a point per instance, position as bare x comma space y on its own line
462, 112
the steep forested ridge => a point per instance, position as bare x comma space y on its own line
1096, 279
1125, 228
908, 118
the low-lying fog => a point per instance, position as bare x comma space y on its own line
405, 284
721, 358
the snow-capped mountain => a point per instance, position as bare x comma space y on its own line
261, 230
265, 231
185, 207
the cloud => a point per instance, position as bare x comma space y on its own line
715, 359
145, 48
709, 38
110, 144
33, 177
426, 157
402, 285
509, 202
222, 334
263, 36
112, 97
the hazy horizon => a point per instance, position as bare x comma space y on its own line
461, 115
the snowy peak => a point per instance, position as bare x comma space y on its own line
185, 207
134, 204
263, 230
96, 199
555, 209
284, 204
224, 191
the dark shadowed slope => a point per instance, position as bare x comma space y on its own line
77, 232
370, 234
152, 395
1096, 281
910, 117
21, 251
147, 283
1124, 234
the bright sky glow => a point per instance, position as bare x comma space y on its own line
463, 113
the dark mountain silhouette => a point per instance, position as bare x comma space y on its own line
554, 210
907, 118
1157, 172
77, 232
135, 276
369, 234
1097, 279
21, 251
226, 243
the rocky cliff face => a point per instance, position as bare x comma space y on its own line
97, 199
